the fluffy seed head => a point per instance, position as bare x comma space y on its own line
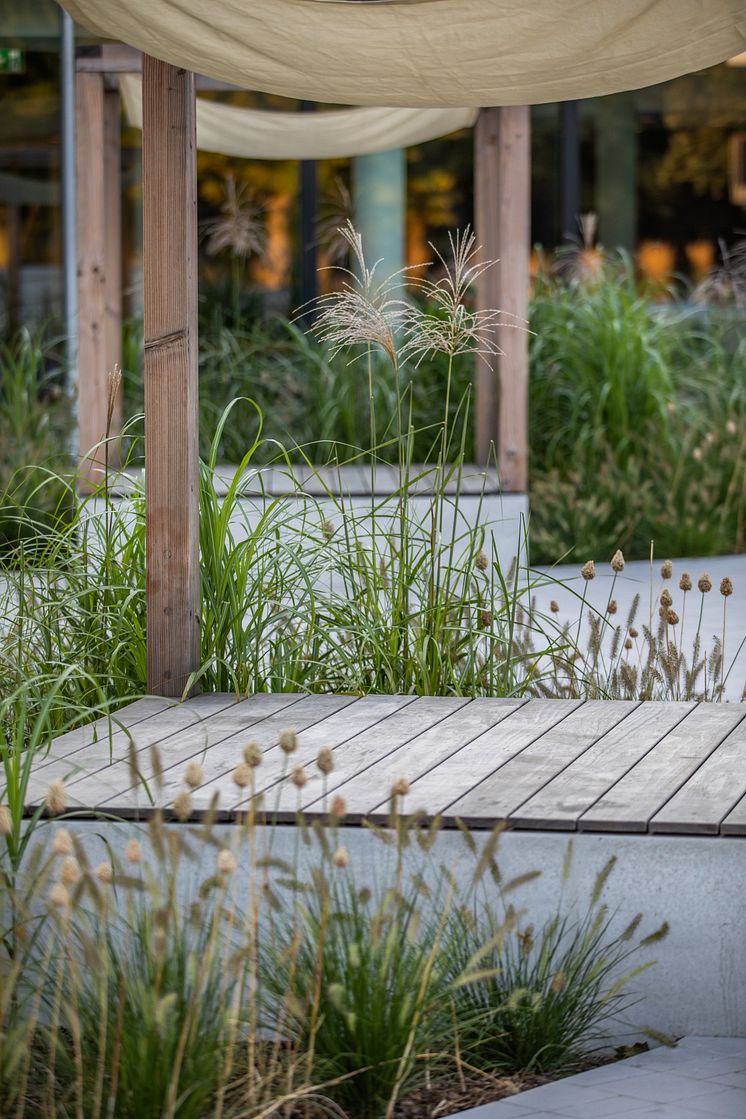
55, 798
726, 587
338, 807
288, 741
612, 607
731, 427
226, 862
133, 852
62, 843
672, 618
242, 775
194, 775
628, 643
554, 606
666, 599
59, 896
299, 777
252, 754
482, 561
685, 582
633, 632
182, 807
666, 569
340, 857
328, 530
400, 787
704, 583
325, 760
588, 570
69, 871
617, 560
486, 618
104, 873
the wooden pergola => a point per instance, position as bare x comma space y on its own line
502, 221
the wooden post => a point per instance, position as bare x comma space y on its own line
171, 385
113, 244
92, 220
502, 219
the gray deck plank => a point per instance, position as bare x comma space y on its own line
103, 729
701, 805
330, 727
638, 796
514, 779
369, 792
198, 743
260, 718
578, 786
426, 715
108, 752
735, 822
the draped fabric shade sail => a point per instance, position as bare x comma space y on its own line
264, 134
413, 53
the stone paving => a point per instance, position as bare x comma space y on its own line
701, 1078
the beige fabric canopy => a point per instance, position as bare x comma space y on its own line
428, 52
259, 134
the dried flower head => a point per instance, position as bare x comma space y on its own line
628, 643
55, 798
400, 787
672, 617
242, 775
666, 569
446, 324
704, 583
685, 582
612, 606
105, 873
59, 896
363, 311
288, 741
6, 820
252, 754
182, 806
133, 852
554, 606
240, 227
340, 857
328, 529
633, 632
226, 862
482, 561
62, 844
726, 587
666, 599
338, 807
486, 618
299, 777
194, 775
617, 561
588, 570
325, 760
70, 871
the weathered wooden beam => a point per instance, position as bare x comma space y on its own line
502, 218
171, 386
91, 225
113, 248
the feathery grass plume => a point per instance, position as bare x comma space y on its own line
365, 311
194, 775
182, 806
55, 798
239, 229
62, 844
70, 871
105, 873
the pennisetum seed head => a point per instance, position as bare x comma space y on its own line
194, 775
182, 806
69, 871
341, 857
252, 754
226, 862
482, 561
62, 844
59, 896
242, 775
328, 529
133, 852
299, 777
338, 807
6, 821
105, 873
55, 798
288, 741
325, 760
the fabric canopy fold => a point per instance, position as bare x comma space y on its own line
260, 134
428, 52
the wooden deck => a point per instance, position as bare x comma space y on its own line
562, 765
